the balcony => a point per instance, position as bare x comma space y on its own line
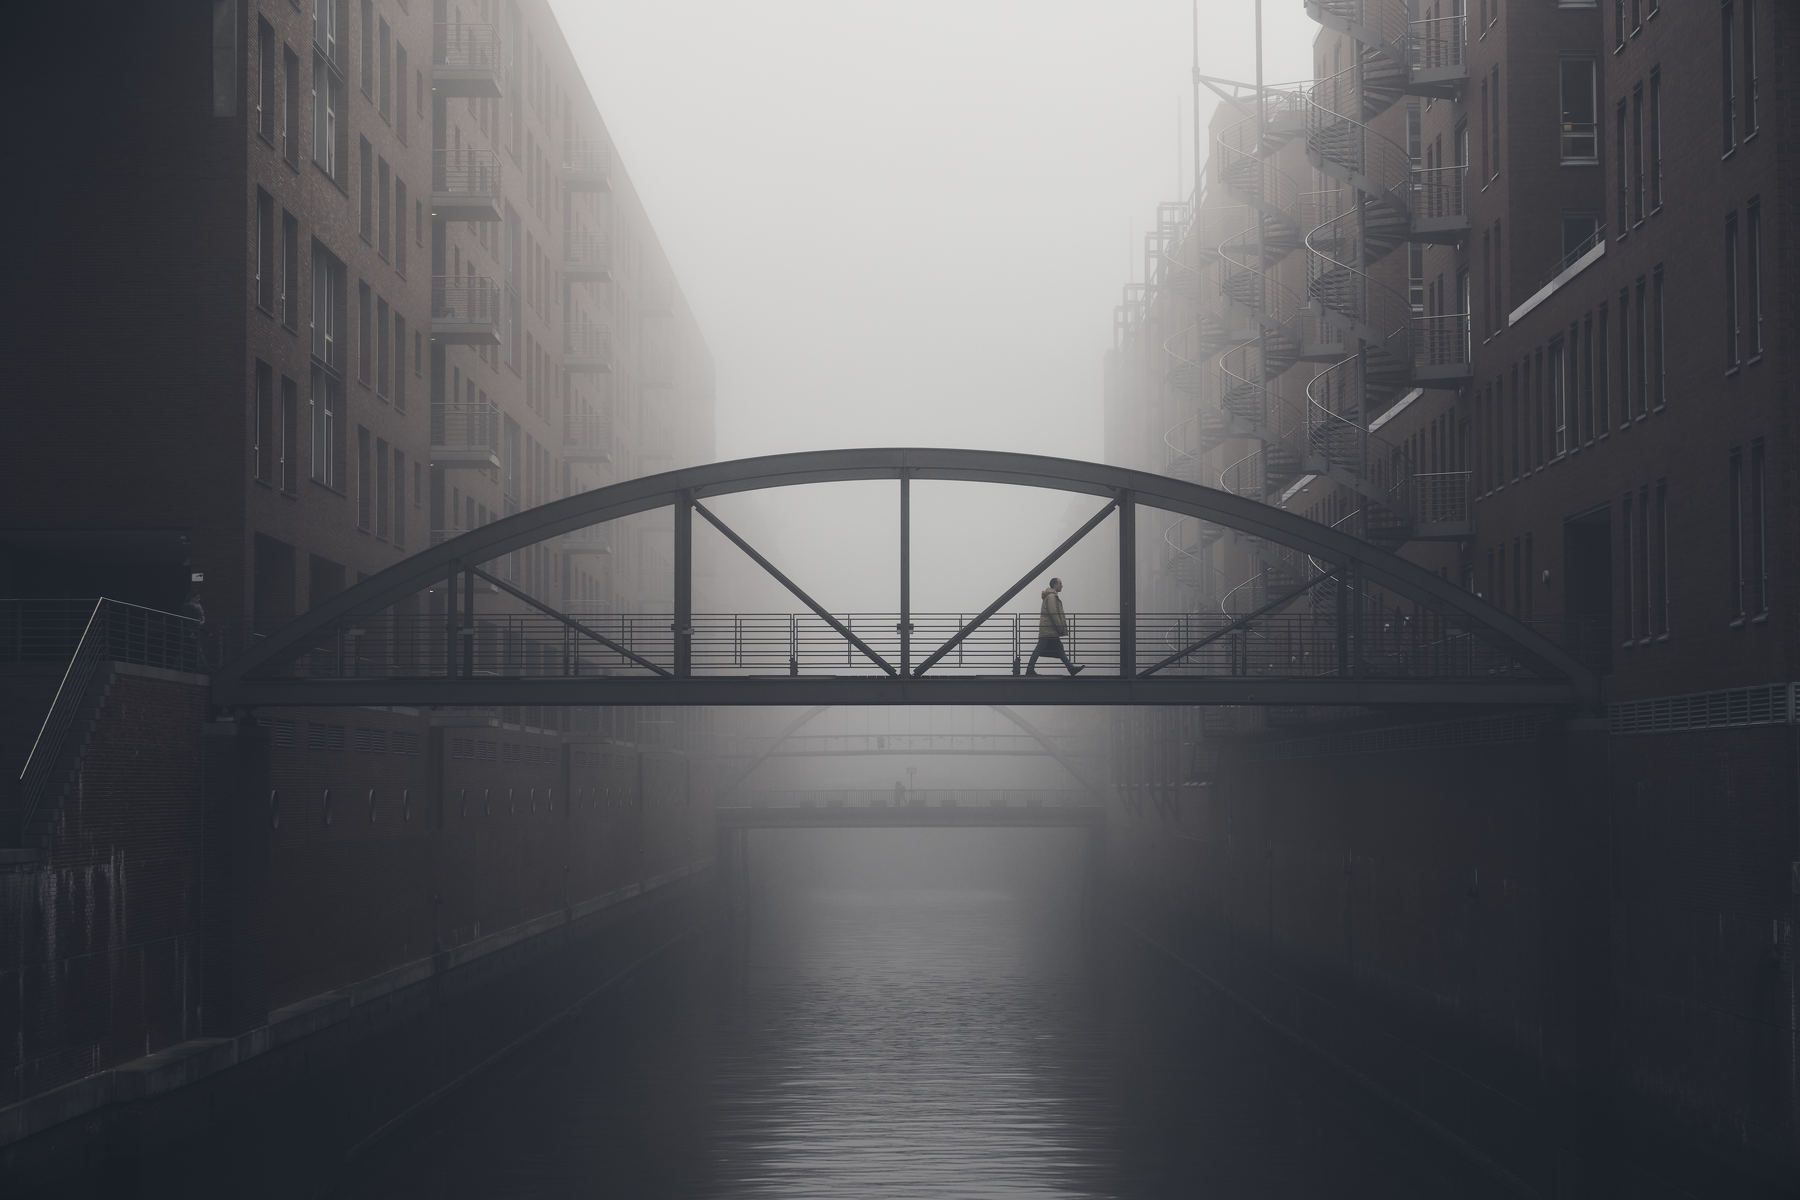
466, 60
587, 437
595, 539
465, 185
465, 435
1442, 353
587, 166
1440, 505
466, 310
587, 256
587, 347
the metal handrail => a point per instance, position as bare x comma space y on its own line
470, 171
464, 300
588, 157
114, 631
465, 46
468, 424
586, 339
588, 248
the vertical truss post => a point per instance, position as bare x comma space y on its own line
450, 624
905, 628
1127, 584
467, 632
683, 628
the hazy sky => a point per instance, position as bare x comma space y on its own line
907, 221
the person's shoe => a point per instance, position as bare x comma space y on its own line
1031, 670
1076, 670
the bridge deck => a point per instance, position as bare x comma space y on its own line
795, 816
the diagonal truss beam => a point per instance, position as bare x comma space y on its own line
1246, 620
584, 630
1025, 581
819, 610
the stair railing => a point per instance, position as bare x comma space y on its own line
115, 631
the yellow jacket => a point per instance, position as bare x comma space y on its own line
1051, 620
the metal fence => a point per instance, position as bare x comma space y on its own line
1363, 644
916, 798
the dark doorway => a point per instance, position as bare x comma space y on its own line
1587, 588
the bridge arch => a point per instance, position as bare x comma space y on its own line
254, 677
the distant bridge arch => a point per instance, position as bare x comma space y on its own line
1482, 657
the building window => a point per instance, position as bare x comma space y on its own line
1618, 24
385, 90
1494, 81
290, 106
265, 81
1643, 339
1656, 154
365, 335
1602, 381
400, 226
1751, 84
400, 365
398, 499
363, 498
327, 428
368, 48
1659, 362
384, 240
1753, 273
1733, 338
1624, 358
1628, 534
1586, 375
1559, 400
383, 488
1580, 231
1487, 132
1580, 128
265, 251
400, 109
329, 131
383, 347
1735, 523
290, 269
365, 162
287, 449
1727, 79
1657, 560
1759, 540
1637, 153
262, 425
1619, 166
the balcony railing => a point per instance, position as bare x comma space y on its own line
587, 346
465, 309
587, 166
465, 185
1441, 345
587, 436
1440, 194
1440, 498
464, 434
466, 59
587, 256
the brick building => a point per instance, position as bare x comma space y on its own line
313, 285
1506, 287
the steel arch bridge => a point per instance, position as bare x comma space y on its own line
361, 648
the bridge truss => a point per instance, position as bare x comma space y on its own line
370, 646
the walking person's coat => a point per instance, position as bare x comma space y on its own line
1052, 622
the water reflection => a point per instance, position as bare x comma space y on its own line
935, 1030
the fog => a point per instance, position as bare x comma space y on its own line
906, 222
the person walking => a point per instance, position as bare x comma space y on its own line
1053, 623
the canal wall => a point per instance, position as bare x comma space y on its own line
225, 913
1568, 952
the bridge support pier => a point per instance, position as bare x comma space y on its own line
240, 809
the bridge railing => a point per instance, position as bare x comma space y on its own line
916, 798
1286, 644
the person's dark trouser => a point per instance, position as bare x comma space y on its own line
1049, 647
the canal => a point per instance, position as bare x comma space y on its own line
907, 1014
